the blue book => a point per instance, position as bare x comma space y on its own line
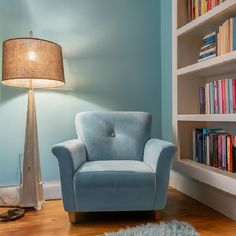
202, 100
199, 149
204, 134
234, 33
210, 40
207, 55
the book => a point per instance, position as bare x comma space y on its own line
214, 151
226, 96
223, 96
230, 95
194, 144
211, 97
216, 106
219, 150
234, 95
211, 148
234, 23
231, 34
213, 34
202, 100
224, 153
208, 51
229, 152
207, 99
219, 97
207, 57
207, 150
234, 154
209, 5
207, 47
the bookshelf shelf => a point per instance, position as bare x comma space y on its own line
212, 67
208, 21
188, 76
208, 117
224, 180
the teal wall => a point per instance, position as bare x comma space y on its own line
112, 62
166, 68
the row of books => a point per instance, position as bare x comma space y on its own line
218, 97
208, 50
196, 8
214, 147
226, 37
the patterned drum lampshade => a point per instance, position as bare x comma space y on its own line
32, 63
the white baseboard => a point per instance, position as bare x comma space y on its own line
213, 198
9, 195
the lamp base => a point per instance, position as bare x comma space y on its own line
31, 189
23, 203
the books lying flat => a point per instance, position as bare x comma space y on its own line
209, 48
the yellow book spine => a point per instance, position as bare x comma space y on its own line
205, 6
196, 8
202, 6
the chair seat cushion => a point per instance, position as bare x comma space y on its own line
116, 185
116, 165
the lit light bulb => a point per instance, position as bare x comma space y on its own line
31, 55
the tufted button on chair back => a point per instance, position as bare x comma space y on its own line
114, 135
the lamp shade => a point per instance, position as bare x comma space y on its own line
32, 63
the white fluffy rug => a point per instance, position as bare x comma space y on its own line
174, 228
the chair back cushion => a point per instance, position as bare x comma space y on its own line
114, 135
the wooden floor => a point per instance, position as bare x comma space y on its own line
52, 220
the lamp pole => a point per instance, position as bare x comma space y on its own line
31, 190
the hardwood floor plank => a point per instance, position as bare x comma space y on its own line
53, 220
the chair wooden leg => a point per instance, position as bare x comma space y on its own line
158, 215
73, 217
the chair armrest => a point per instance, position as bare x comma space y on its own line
158, 152
159, 155
70, 155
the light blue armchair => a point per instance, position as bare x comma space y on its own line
114, 165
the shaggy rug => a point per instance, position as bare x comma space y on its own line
174, 228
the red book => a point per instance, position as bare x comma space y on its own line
193, 10
234, 95
223, 96
216, 105
217, 2
209, 5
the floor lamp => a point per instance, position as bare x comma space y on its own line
32, 63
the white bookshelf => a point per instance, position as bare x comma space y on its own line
188, 76
215, 66
207, 117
